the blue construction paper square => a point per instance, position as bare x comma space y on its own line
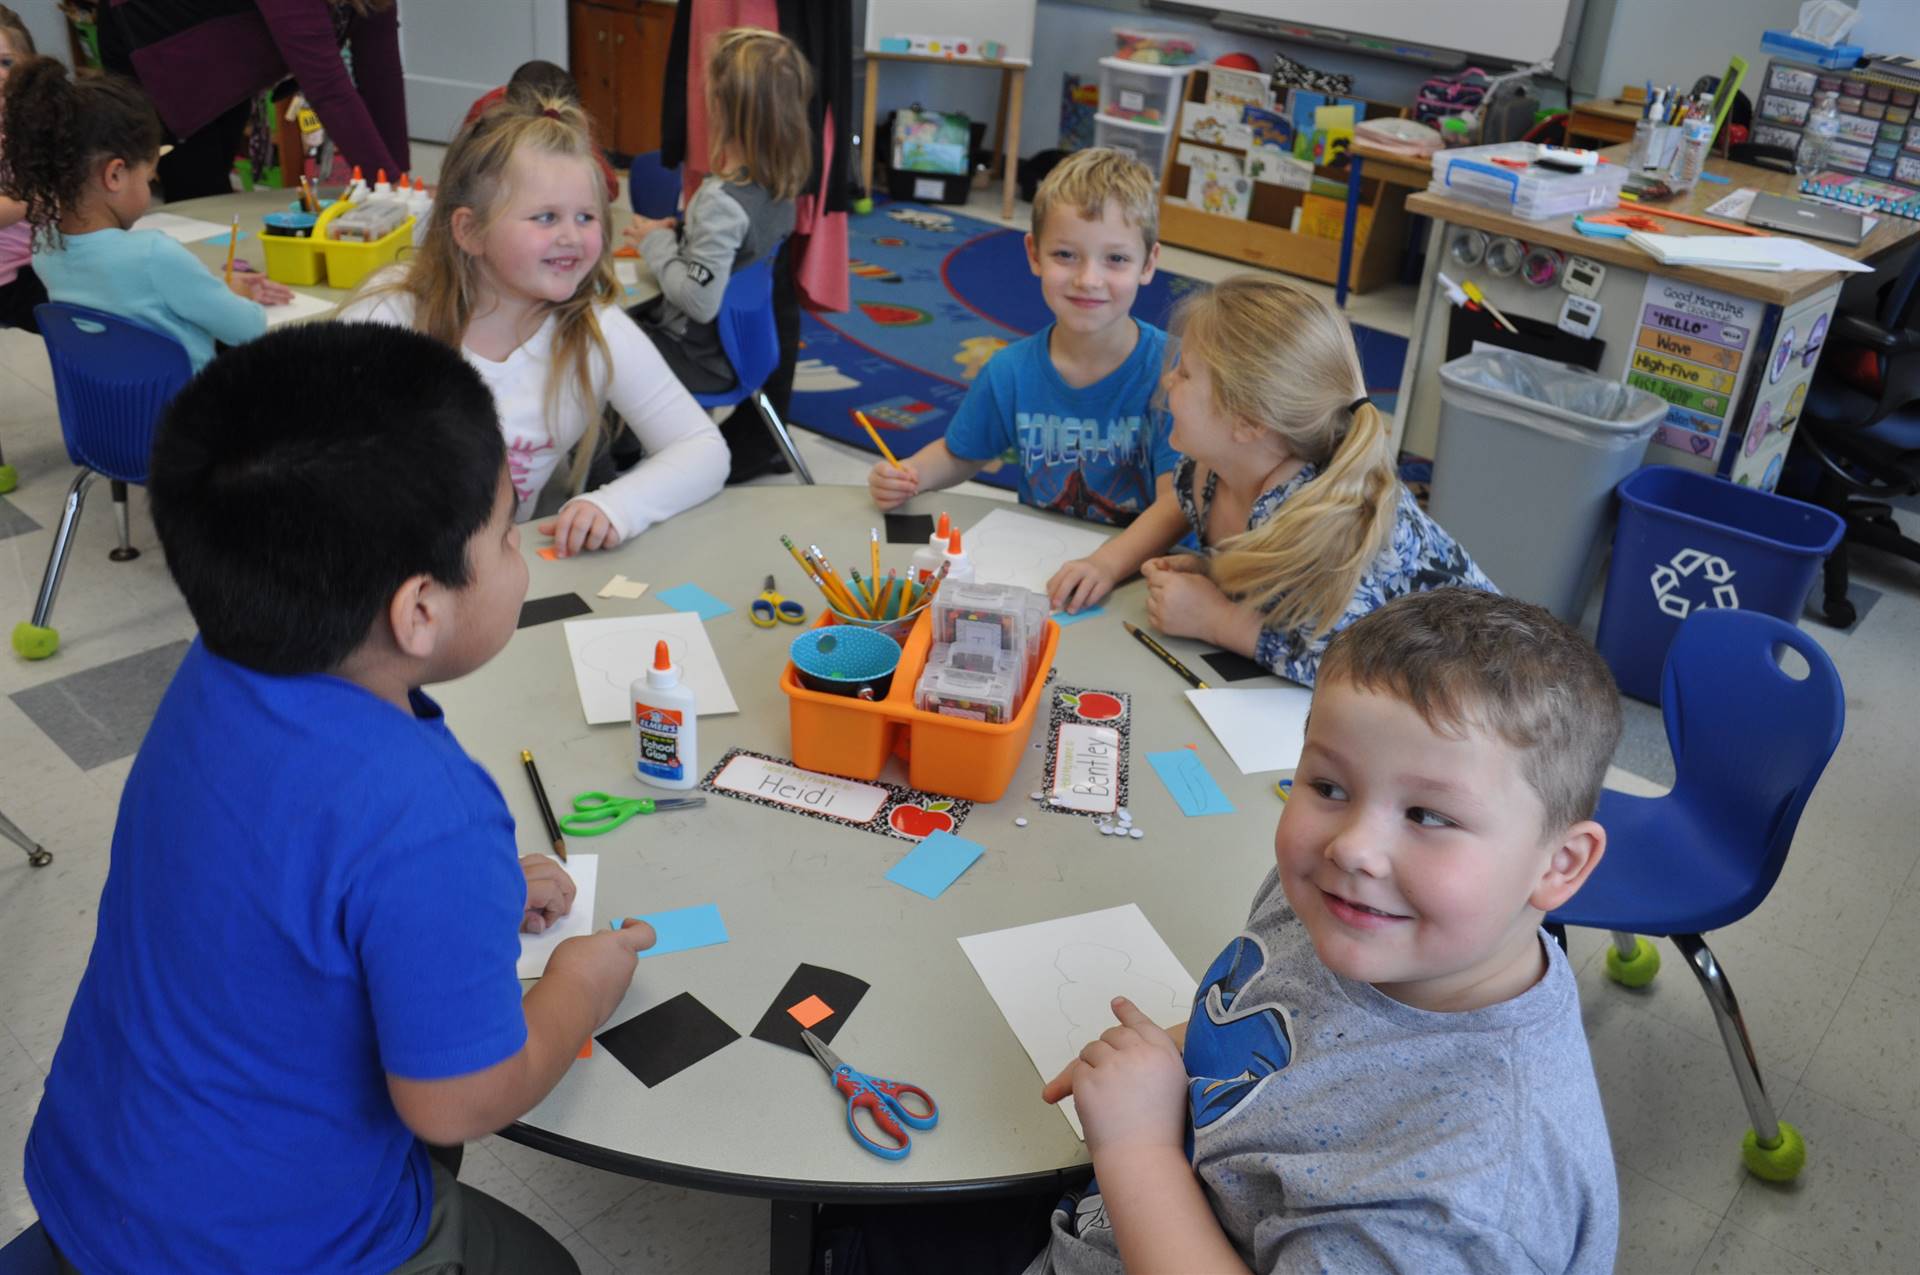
224, 237
691, 597
681, 928
1186, 777
935, 864
1062, 619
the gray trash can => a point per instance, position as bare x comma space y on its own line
1530, 452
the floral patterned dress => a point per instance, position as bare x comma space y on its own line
1420, 556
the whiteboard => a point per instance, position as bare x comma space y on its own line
1517, 30
1008, 21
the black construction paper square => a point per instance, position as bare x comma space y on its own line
840, 991
561, 606
667, 1039
1234, 667
909, 529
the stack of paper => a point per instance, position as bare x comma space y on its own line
1742, 252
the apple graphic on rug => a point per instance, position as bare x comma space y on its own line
1094, 706
910, 819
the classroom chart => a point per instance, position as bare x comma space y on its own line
802, 891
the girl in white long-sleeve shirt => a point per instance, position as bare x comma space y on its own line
515, 271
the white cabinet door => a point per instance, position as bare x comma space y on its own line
455, 50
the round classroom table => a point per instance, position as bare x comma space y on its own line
758, 1119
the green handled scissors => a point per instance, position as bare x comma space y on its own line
598, 812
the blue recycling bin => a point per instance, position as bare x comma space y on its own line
1689, 542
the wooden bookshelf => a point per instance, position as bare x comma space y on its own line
1265, 239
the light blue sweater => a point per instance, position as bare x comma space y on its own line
143, 275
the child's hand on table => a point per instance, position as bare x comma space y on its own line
640, 227
259, 288
1079, 584
1182, 601
892, 486
549, 892
1129, 1087
601, 963
580, 525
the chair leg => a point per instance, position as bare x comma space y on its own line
778, 429
1773, 1149
62, 546
126, 552
1834, 603
36, 855
1559, 933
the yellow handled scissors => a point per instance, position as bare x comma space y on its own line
770, 605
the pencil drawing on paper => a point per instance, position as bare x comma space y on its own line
1091, 975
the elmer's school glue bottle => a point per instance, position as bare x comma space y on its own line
665, 726
959, 566
927, 561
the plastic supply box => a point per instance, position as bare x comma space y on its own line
952, 756
1530, 192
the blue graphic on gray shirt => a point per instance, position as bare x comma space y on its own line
1232, 1047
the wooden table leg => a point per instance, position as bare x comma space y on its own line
867, 139
1016, 91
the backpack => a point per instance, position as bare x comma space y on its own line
1446, 95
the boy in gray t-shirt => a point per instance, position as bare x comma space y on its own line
1385, 1070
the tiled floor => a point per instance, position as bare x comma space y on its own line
1828, 969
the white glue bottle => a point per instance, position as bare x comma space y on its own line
927, 561
959, 566
665, 726
381, 186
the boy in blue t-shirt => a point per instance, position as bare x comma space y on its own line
1074, 402
304, 964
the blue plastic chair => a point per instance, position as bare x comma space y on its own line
653, 191
1749, 743
112, 378
752, 345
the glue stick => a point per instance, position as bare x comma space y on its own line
927, 561
665, 725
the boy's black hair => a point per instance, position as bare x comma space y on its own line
538, 82
59, 130
300, 479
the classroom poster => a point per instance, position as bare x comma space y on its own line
1760, 449
1692, 350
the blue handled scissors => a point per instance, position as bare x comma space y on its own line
598, 812
883, 1100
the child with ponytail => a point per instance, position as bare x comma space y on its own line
1287, 481
80, 155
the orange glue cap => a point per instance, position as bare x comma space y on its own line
661, 660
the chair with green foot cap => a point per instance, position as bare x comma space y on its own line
1749, 742
113, 378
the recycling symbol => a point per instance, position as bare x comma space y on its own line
1668, 578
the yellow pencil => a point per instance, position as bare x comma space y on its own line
233, 242
873, 555
806, 565
879, 442
832, 577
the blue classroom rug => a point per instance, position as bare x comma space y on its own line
935, 294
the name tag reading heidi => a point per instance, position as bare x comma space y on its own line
784, 785
1087, 767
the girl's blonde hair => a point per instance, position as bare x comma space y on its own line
758, 87
443, 279
1281, 357
14, 28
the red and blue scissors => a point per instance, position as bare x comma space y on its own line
885, 1102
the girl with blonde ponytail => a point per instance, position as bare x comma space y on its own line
1288, 481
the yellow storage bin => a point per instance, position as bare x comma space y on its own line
295, 260
348, 262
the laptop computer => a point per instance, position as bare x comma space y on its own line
1804, 217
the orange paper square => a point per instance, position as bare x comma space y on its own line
810, 1011
586, 1050
549, 553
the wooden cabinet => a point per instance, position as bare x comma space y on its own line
618, 50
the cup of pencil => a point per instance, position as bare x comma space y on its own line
895, 627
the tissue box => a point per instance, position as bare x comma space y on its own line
1838, 57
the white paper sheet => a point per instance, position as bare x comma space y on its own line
535, 949
1743, 252
1260, 729
1010, 548
1055, 981
188, 230
609, 654
303, 306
